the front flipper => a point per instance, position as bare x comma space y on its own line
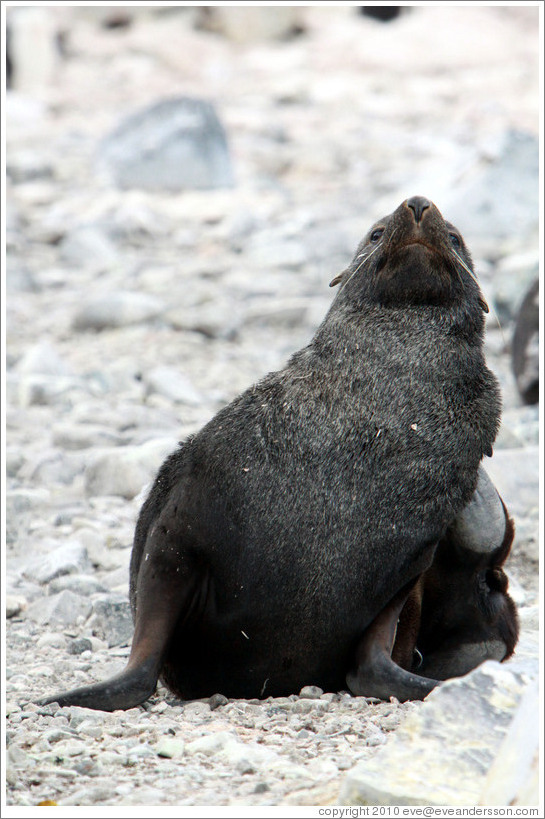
376, 674
165, 589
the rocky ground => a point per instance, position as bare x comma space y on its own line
133, 316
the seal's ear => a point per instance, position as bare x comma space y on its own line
337, 279
482, 303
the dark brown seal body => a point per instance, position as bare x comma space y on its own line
297, 521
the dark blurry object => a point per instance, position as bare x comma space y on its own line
382, 13
525, 351
118, 19
9, 63
174, 144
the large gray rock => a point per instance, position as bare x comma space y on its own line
126, 470
442, 753
499, 198
69, 558
63, 609
513, 779
111, 619
172, 145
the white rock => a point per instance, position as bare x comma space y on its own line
52, 640
43, 359
15, 604
170, 747
210, 744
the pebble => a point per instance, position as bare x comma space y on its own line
134, 315
15, 604
170, 748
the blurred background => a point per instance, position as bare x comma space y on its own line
182, 184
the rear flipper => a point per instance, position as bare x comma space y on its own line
164, 592
376, 674
127, 690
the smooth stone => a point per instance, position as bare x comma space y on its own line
170, 748
83, 436
173, 145
93, 795
69, 558
65, 609
43, 359
52, 640
78, 646
211, 320
46, 390
247, 756
125, 471
210, 744
88, 246
172, 384
311, 692
117, 309
91, 729
77, 715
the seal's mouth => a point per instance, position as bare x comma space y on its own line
416, 242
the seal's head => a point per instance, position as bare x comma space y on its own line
412, 256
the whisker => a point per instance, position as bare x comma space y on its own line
465, 266
366, 257
482, 300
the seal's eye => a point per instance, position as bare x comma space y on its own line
376, 234
455, 241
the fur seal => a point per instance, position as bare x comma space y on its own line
279, 545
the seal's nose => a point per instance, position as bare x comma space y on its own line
418, 205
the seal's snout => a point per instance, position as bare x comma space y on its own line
418, 204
